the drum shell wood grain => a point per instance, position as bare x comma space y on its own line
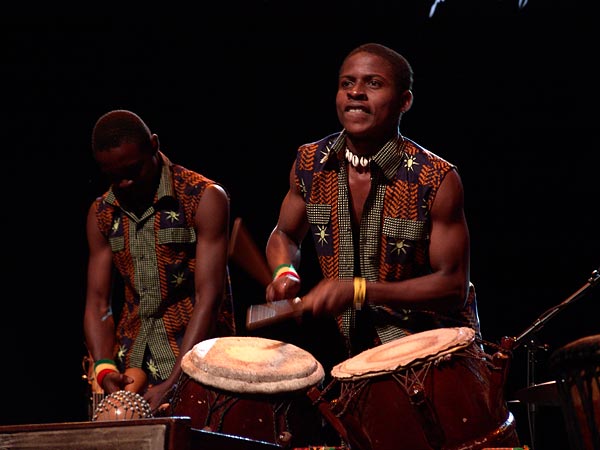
576, 367
288, 419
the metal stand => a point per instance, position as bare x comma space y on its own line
546, 316
533, 346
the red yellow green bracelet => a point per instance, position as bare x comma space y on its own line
102, 367
285, 270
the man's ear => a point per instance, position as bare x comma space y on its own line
155, 143
406, 100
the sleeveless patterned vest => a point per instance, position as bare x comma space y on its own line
159, 324
394, 231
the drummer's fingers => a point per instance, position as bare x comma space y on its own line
288, 287
319, 303
270, 293
306, 302
274, 291
280, 289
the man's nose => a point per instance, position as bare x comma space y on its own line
356, 92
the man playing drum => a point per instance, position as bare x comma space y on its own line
388, 223
387, 216
159, 232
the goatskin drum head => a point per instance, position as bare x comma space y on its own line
408, 351
256, 365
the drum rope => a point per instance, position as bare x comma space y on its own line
220, 404
412, 380
484, 343
478, 352
324, 392
282, 428
322, 396
414, 383
362, 384
347, 395
214, 405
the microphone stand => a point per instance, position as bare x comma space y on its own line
533, 344
546, 316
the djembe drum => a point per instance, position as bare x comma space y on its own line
430, 390
250, 387
577, 370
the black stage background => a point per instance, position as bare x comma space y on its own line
509, 94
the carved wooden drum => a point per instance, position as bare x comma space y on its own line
251, 387
430, 390
577, 369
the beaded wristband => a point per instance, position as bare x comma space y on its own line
102, 367
104, 361
102, 374
360, 292
285, 270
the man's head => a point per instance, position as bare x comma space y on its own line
119, 126
374, 90
127, 153
401, 68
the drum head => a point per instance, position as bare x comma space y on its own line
408, 351
252, 365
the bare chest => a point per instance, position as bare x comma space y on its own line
359, 186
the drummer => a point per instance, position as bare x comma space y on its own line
159, 233
386, 216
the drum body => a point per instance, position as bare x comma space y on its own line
431, 390
250, 387
577, 370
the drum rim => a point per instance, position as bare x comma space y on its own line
462, 337
581, 352
246, 377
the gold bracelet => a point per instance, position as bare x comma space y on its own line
360, 292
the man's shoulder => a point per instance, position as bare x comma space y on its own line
327, 140
193, 183
182, 173
413, 148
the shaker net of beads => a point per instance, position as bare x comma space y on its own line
122, 405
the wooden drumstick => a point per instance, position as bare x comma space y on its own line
245, 253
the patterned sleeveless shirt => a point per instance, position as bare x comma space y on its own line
394, 230
155, 256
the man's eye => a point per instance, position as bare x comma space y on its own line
130, 173
133, 171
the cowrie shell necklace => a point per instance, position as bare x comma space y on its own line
356, 160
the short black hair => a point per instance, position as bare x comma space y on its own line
403, 72
119, 126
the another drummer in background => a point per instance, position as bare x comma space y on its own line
386, 216
164, 230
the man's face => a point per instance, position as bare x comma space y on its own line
129, 168
368, 104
